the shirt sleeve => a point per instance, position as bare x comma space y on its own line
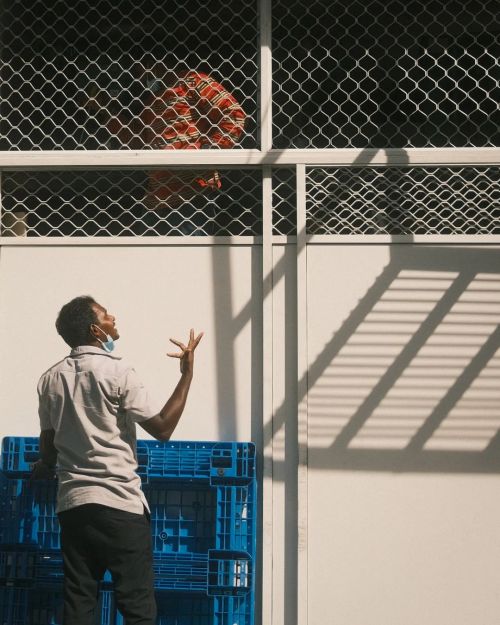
134, 398
223, 113
43, 405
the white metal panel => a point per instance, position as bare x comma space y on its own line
155, 293
403, 420
284, 432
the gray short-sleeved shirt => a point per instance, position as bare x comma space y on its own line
92, 400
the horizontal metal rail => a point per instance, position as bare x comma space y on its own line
237, 159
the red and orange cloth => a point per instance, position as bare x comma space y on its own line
194, 112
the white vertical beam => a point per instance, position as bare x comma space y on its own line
266, 70
265, 122
302, 494
267, 398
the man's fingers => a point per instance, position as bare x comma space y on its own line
198, 339
178, 343
175, 355
193, 343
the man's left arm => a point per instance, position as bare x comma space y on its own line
44, 468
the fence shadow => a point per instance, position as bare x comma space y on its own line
408, 383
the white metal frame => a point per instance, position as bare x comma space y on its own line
348, 157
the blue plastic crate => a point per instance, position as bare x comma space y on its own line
229, 573
28, 513
236, 518
186, 521
17, 566
216, 573
214, 462
197, 610
106, 611
19, 454
31, 568
181, 572
175, 609
196, 518
21, 606
183, 519
49, 569
203, 521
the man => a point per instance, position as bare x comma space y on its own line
177, 111
89, 404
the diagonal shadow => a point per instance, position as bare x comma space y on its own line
408, 353
456, 391
467, 265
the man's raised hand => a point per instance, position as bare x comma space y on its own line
186, 355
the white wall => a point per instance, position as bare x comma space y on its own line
403, 403
403, 421
155, 293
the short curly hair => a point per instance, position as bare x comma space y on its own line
74, 320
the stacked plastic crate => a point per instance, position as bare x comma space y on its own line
202, 497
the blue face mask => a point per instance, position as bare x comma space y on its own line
108, 345
154, 84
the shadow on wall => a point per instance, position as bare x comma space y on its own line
410, 380
229, 324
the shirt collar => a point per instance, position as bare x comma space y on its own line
90, 349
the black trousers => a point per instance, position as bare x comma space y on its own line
97, 538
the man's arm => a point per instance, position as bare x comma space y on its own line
163, 425
44, 468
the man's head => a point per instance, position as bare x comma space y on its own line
83, 321
150, 71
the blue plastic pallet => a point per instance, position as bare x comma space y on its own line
19, 606
215, 573
19, 454
31, 568
188, 525
202, 497
28, 513
174, 609
191, 518
17, 566
216, 462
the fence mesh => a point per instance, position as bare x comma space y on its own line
85, 75
414, 200
399, 73
146, 74
115, 203
364, 200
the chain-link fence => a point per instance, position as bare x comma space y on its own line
364, 200
413, 200
399, 73
152, 75
115, 203
419, 73
84, 75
